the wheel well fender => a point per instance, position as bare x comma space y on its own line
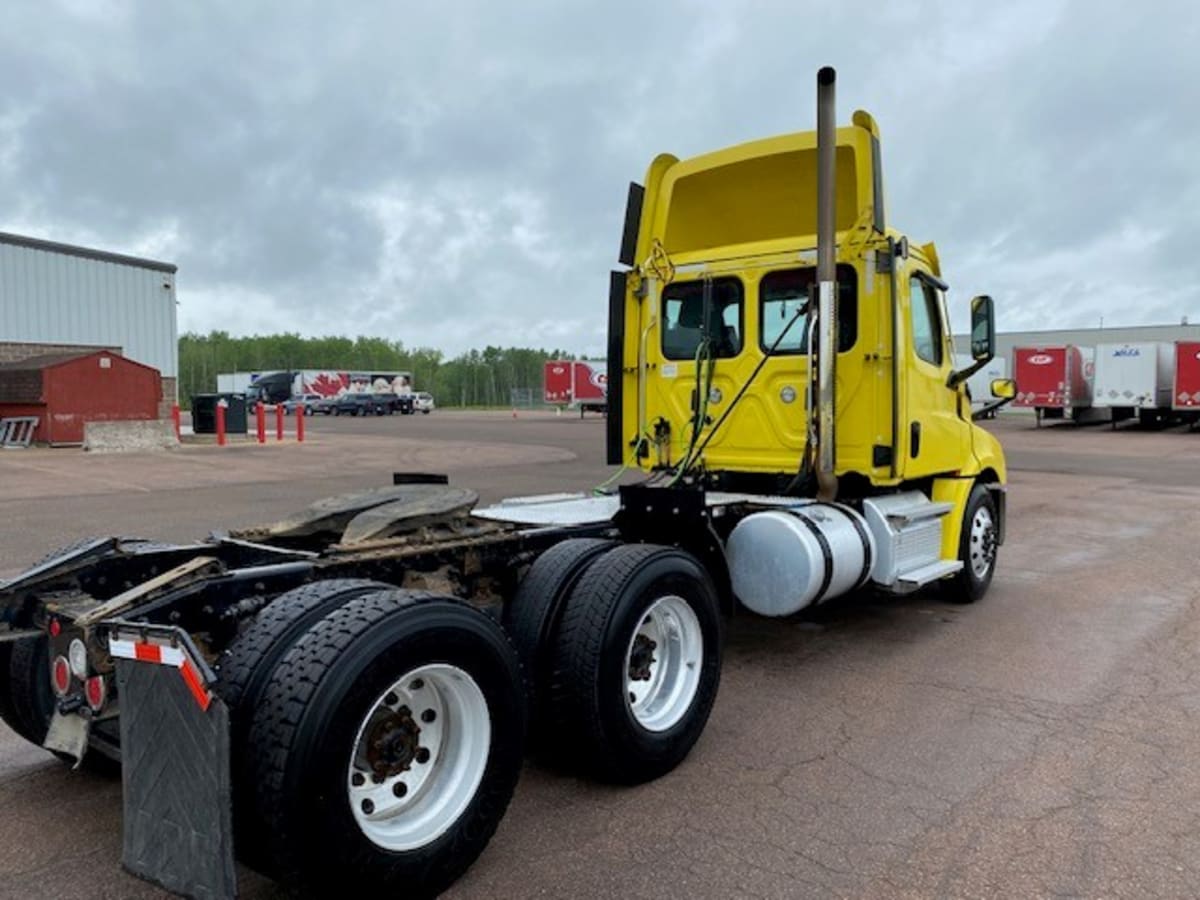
991, 480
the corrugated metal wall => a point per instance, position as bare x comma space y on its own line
1082, 337
50, 297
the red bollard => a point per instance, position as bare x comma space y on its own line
177, 418
301, 413
279, 411
260, 414
220, 423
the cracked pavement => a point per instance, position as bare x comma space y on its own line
1040, 743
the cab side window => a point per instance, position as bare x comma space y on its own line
926, 321
781, 294
684, 326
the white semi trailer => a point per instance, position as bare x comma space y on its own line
979, 385
1135, 379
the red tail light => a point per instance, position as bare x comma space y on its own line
60, 675
96, 692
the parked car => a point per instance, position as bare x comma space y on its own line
401, 403
423, 402
360, 405
306, 402
325, 405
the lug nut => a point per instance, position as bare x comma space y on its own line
428, 716
368, 807
357, 779
399, 788
423, 755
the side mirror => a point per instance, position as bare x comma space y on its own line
1004, 388
983, 328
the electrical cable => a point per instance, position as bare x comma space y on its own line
693, 456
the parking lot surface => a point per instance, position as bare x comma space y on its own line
1039, 743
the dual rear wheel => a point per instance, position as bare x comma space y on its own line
627, 660
384, 747
384, 741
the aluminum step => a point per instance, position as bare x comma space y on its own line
905, 515
918, 578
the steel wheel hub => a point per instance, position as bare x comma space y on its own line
393, 742
662, 664
983, 542
419, 757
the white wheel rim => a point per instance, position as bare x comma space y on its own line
419, 757
662, 664
983, 542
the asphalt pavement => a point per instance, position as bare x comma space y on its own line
1039, 743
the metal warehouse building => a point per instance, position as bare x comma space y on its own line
1083, 337
57, 298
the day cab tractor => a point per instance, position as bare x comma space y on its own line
343, 699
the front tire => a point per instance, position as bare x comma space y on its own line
637, 662
387, 745
976, 548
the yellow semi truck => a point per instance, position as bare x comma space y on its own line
718, 377
341, 699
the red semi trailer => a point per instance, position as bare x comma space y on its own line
1054, 381
1185, 396
577, 383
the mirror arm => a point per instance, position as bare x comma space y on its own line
984, 411
957, 378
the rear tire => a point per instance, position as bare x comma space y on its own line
245, 668
976, 548
533, 617
7, 712
341, 710
637, 662
30, 694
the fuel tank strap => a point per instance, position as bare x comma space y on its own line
823, 543
861, 528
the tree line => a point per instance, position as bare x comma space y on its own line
486, 377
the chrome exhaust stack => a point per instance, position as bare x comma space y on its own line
826, 284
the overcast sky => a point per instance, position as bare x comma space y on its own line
453, 174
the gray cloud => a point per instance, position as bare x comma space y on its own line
454, 175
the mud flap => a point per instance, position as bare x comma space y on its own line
178, 820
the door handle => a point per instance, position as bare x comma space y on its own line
914, 439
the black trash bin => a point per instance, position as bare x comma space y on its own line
204, 413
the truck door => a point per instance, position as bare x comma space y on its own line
935, 436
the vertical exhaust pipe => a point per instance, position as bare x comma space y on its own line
826, 284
